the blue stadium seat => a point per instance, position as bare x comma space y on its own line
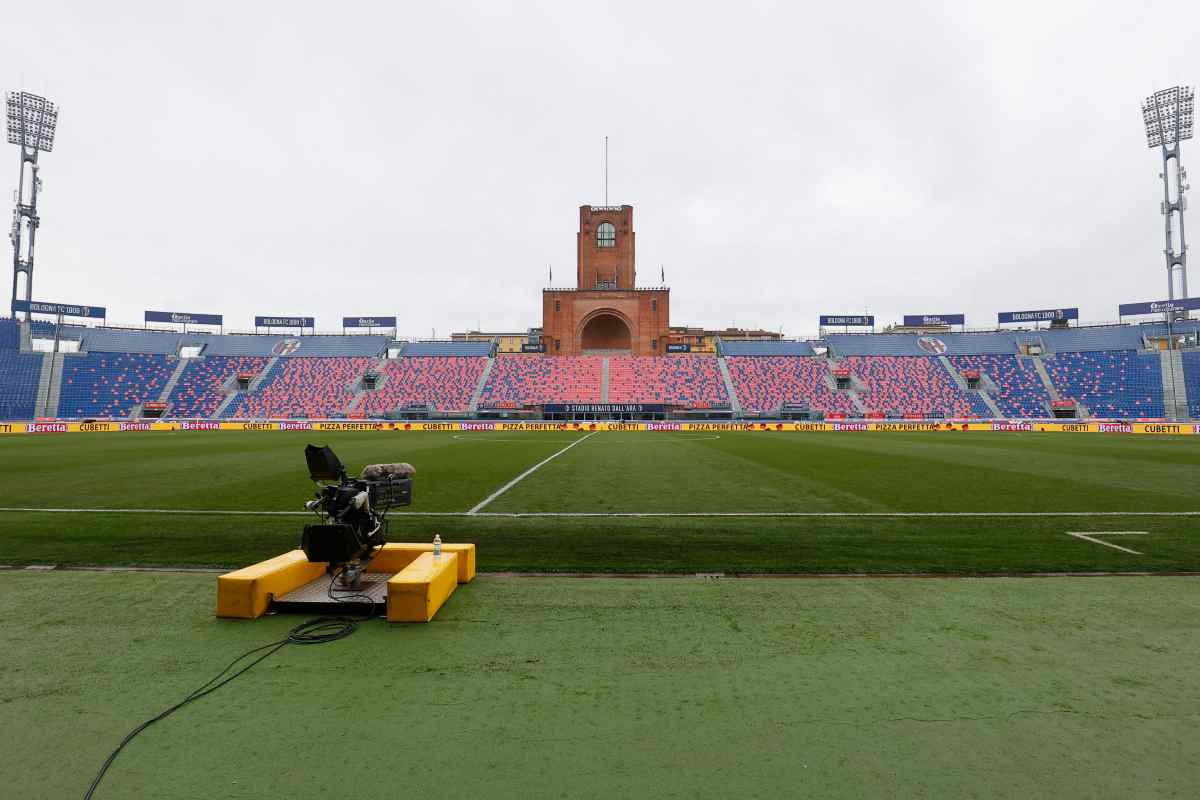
535, 379
10, 334
303, 388
448, 349
741, 347
1120, 383
1020, 392
19, 374
442, 383
111, 384
692, 381
198, 392
1191, 379
767, 383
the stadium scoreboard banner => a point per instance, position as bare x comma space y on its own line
859, 321
368, 322
62, 309
921, 320
827, 426
1159, 306
533, 348
1041, 315
285, 322
679, 347
182, 318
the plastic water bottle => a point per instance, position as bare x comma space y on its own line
437, 546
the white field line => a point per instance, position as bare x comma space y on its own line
606, 514
1089, 536
485, 501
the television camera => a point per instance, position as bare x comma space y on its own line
353, 512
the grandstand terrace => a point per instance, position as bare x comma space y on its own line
443, 383
765, 383
1120, 383
900, 386
111, 384
692, 381
1019, 389
18, 383
204, 381
1112, 371
300, 388
1191, 373
534, 379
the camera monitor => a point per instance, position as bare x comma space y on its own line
323, 464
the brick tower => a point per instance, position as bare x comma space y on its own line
606, 313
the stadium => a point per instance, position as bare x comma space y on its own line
931, 555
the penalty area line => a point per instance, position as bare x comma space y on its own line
485, 501
1090, 536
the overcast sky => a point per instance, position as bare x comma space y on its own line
783, 160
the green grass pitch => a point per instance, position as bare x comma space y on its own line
616, 687
600, 688
1025, 483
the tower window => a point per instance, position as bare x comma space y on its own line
654, 305
556, 307
606, 235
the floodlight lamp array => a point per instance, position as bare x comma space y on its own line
31, 121
1169, 116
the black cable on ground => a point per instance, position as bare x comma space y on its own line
313, 631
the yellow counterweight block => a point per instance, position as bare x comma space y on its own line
417, 592
246, 593
417, 589
395, 556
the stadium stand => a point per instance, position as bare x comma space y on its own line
1119, 383
1071, 340
533, 379
199, 390
908, 344
765, 383
744, 347
10, 334
298, 388
447, 349
692, 381
19, 374
1020, 392
1105, 368
1191, 379
41, 329
1082, 340
111, 384
132, 340
900, 386
18, 382
442, 383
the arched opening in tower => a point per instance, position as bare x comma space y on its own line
605, 332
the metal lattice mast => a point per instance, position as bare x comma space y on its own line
1168, 115
31, 124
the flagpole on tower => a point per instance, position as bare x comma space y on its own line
606, 170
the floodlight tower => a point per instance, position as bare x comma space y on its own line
1168, 115
31, 124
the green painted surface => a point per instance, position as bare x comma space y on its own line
945, 473
526, 688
